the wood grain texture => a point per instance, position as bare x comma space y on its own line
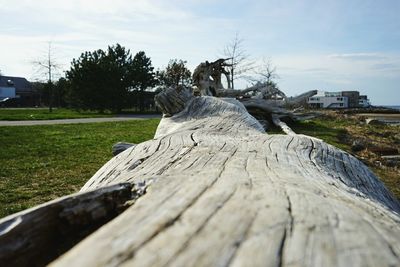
221, 192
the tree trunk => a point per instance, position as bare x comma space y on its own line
222, 192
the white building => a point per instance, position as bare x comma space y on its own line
328, 100
363, 101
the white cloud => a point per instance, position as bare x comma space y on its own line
380, 73
162, 29
354, 65
358, 56
144, 8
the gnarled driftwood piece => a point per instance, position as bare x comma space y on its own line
37, 236
263, 100
221, 192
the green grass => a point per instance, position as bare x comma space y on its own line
333, 131
40, 163
17, 114
328, 130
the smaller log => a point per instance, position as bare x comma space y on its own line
268, 106
300, 100
121, 147
36, 236
285, 128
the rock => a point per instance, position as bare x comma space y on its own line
391, 161
396, 138
384, 151
358, 145
374, 122
345, 137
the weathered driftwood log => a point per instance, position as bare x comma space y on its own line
221, 192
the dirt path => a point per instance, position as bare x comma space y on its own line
85, 120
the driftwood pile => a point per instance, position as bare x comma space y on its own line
263, 100
213, 189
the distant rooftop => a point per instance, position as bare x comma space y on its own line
20, 84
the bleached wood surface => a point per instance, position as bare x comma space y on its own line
221, 192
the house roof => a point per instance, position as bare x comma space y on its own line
20, 84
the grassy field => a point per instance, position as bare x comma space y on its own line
330, 131
40, 163
341, 132
21, 114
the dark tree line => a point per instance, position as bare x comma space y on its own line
112, 79
103, 80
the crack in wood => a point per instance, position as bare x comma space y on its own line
241, 240
171, 163
192, 137
281, 248
171, 222
192, 237
291, 218
291, 140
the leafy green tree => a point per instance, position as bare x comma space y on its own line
84, 83
118, 64
61, 88
100, 79
58, 90
109, 79
176, 73
143, 75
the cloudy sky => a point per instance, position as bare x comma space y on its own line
328, 45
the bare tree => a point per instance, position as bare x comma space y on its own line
238, 60
266, 72
48, 67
